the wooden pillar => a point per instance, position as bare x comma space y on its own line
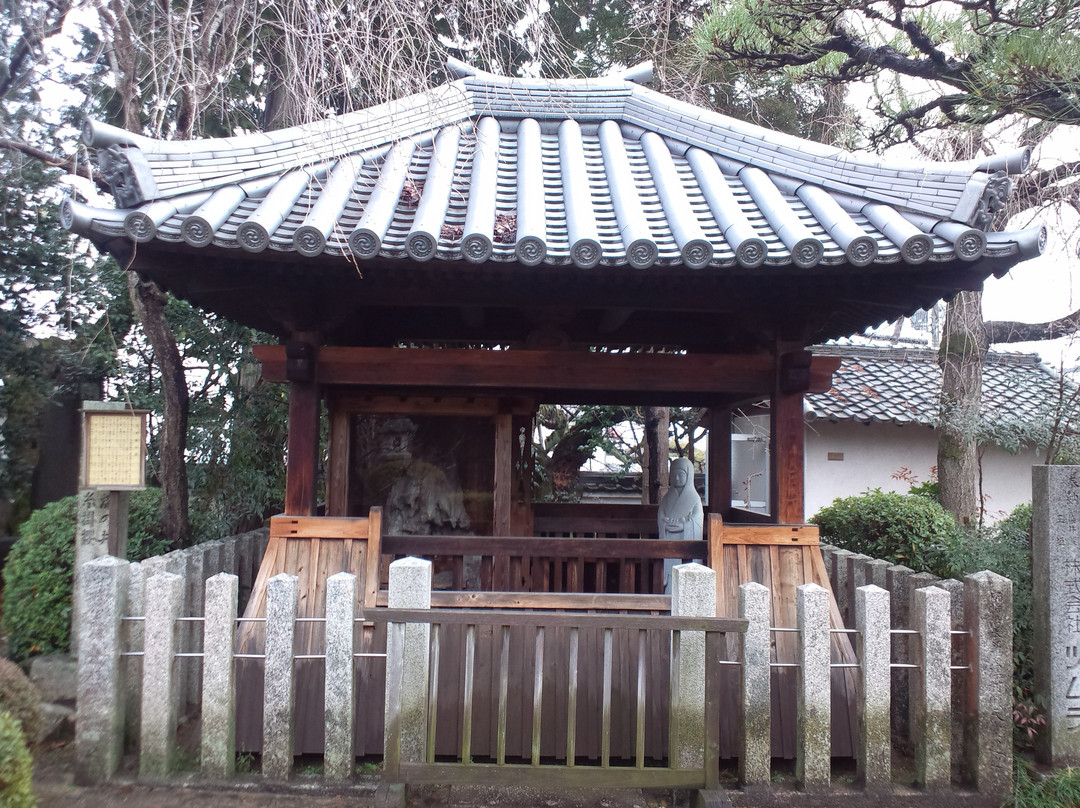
719, 466
304, 412
786, 461
504, 459
337, 474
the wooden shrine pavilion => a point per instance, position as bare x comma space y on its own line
438, 266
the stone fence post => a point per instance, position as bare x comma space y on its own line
693, 594
874, 754
755, 756
161, 675
218, 756
339, 758
407, 664
99, 732
1055, 579
931, 687
279, 677
988, 613
813, 738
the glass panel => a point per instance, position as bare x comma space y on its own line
432, 474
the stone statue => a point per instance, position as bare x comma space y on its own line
680, 515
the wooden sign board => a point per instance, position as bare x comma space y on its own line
114, 448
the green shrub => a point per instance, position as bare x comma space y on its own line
38, 572
21, 699
16, 766
904, 529
37, 582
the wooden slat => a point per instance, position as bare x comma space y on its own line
337, 478
433, 690
373, 563
651, 622
571, 697
639, 724
467, 700
605, 709
538, 694
549, 776
319, 527
528, 547
771, 534
504, 684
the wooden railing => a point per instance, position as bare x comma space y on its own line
519, 564
553, 734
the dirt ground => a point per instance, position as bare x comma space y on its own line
55, 788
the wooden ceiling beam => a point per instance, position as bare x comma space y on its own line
536, 371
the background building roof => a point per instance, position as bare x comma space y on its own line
903, 386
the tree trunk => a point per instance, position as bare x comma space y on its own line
963, 349
149, 302
654, 475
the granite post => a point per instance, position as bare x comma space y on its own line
931, 687
693, 594
841, 587
813, 738
99, 730
132, 666
279, 683
339, 757
755, 755
191, 636
410, 588
897, 582
959, 677
874, 753
100, 515
877, 572
160, 690
987, 762
1055, 568
218, 754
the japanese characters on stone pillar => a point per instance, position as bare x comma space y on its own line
1055, 556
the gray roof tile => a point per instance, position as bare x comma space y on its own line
584, 170
903, 385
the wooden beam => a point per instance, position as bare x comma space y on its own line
786, 472
503, 484
535, 370
719, 467
298, 364
337, 477
319, 527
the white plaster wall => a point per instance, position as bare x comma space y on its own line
873, 453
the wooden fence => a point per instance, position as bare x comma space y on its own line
416, 682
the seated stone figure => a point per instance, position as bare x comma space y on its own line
680, 515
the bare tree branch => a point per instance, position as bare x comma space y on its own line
1005, 331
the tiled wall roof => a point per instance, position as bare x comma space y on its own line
903, 385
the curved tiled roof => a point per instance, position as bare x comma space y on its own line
903, 386
580, 172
